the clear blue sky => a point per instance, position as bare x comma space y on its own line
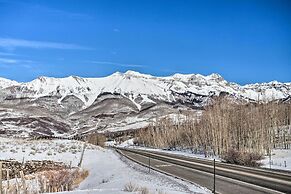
245, 41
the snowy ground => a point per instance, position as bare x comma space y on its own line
280, 159
108, 171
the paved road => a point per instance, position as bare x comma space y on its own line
223, 184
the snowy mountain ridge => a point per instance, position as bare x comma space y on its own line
4, 83
50, 106
134, 85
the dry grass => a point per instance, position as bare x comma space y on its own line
58, 180
130, 187
144, 190
46, 181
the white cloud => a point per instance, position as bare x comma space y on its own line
9, 61
10, 43
13, 61
117, 64
7, 54
116, 30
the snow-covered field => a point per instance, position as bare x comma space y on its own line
108, 171
280, 159
55, 150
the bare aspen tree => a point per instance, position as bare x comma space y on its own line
223, 126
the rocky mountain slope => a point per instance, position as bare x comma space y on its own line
121, 101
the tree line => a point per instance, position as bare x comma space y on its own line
225, 125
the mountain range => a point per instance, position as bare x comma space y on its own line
122, 101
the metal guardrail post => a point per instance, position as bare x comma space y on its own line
214, 175
270, 160
149, 163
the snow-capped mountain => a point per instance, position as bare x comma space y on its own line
4, 83
119, 101
134, 85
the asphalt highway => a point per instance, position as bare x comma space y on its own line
223, 184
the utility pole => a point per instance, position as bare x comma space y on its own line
214, 175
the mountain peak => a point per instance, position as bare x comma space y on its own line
7, 82
215, 76
135, 73
42, 79
131, 73
183, 76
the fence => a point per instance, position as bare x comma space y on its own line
44, 182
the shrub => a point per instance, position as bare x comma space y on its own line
61, 178
96, 139
144, 190
130, 187
242, 158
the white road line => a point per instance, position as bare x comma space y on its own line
163, 165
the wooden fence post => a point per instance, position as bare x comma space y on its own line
1, 178
17, 185
23, 182
44, 185
82, 155
37, 187
7, 177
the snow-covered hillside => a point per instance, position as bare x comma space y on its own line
121, 101
135, 85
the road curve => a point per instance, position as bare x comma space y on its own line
229, 178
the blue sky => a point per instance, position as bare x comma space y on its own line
245, 41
